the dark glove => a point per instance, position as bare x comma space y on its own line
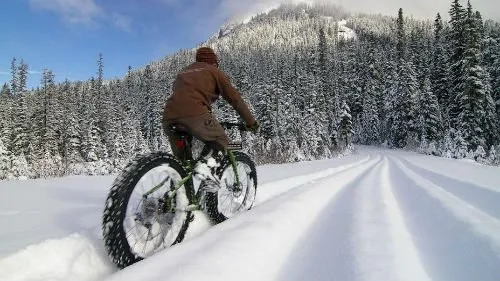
254, 127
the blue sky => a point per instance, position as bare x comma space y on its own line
67, 36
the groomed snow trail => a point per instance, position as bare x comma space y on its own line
376, 215
261, 240
360, 236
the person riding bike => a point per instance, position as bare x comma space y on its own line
195, 89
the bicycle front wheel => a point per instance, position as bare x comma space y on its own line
236, 193
139, 217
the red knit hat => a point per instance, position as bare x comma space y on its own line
206, 54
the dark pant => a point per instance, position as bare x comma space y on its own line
204, 127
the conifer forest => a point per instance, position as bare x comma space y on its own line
317, 78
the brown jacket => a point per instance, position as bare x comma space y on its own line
197, 87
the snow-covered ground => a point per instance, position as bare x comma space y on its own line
375, 215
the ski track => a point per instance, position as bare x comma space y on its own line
380, 217
486, 200
282, 186
266, 240
456, 241
359, 219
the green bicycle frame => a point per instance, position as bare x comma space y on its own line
189, 167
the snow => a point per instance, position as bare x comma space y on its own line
345, 32
375, 215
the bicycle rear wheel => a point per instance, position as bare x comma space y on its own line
233, 198
136, 224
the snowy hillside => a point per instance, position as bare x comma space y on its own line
374, 215
312, 87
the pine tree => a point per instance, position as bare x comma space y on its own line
20, 168
14, 82
480, 154
401, 37
23, 77
369, 133
430, 114
5, 164
491, 120
72, 146
456, 41
345, 123
439, 76
49, 137
471, 100
492, 157
495, 81
20, 131
5, 91
100, 74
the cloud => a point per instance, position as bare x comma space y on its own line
72, 11
30, 72
425, 9
86, 12
122, 22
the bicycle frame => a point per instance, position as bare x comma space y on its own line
189, 164
190, 173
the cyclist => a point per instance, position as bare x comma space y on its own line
194, 90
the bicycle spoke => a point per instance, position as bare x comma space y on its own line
137, 241
147, 239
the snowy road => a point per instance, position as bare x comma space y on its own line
375, 215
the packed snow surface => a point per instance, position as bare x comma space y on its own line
374, 215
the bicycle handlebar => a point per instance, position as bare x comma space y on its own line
230, 125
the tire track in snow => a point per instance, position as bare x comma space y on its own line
456, 242
276, 188
261, 239
483, 223
325, 249
360, 236
386, 250
481, 198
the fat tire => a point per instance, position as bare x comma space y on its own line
115, 210
212, 201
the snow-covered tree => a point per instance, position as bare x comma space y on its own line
430, 114
5, 165
346, 129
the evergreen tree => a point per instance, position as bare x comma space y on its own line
100, 74
20, 168
401, 37
14, 82
457, 45
49, 136
430, 114
294, 68
345, 123
471, 100
492, 157
5, 165
369, 133
23, 77
439, 76
5, 91
20, 131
